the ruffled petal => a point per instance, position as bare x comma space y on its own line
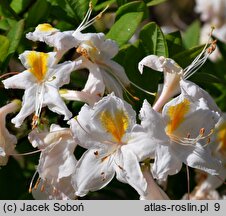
92, 172
22, 80
130, 170
55, 103
166, 163
151, 61
28, 106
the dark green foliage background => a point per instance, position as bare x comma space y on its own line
18, 17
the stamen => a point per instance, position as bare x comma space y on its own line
187, 141
42, 187
202, 131
8, 74
201, 58
86, 22
37, 183
39, 98
27, 153
145, 91
31, 183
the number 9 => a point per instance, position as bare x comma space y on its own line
217, 206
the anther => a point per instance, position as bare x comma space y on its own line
37, 183
42, 187
202, 131
188, 135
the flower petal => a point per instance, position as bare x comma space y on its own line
129, 167
92, 172
166, 163
55, 103
151, 61
28, 106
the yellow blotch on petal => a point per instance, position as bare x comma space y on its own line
46, 27
177, 114
116, 124
37, 62
221, 138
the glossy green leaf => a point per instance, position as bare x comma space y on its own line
192, 35
37, 12
155, 2
153, 40
6, 10
174, 43
222, 47
136, 6
129, 57
15, 35
125, 27
3, 48
19, 5
121, 2
104, 4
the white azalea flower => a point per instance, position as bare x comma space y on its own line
173, 73
7, 140
57, 161
41, 81
96, 54
115, 144
62, 41
210, 183
184, 133
212, 11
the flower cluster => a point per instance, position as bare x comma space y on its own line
183, 126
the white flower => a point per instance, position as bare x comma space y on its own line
115, 144
96, 54
218, 148
41, 81
212, 11
7, 140
184, 129
173, 73
57, 161
62, 41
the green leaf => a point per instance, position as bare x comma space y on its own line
174, 43
6, 10
103, 5
121, 2
129, 56
15, 35
192, 35
136, 6
222, 47
6, 23
125, 27
206, 78
3, 48
77, 8
37, 12
186, 57
155, 2
153, 40
19, 5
